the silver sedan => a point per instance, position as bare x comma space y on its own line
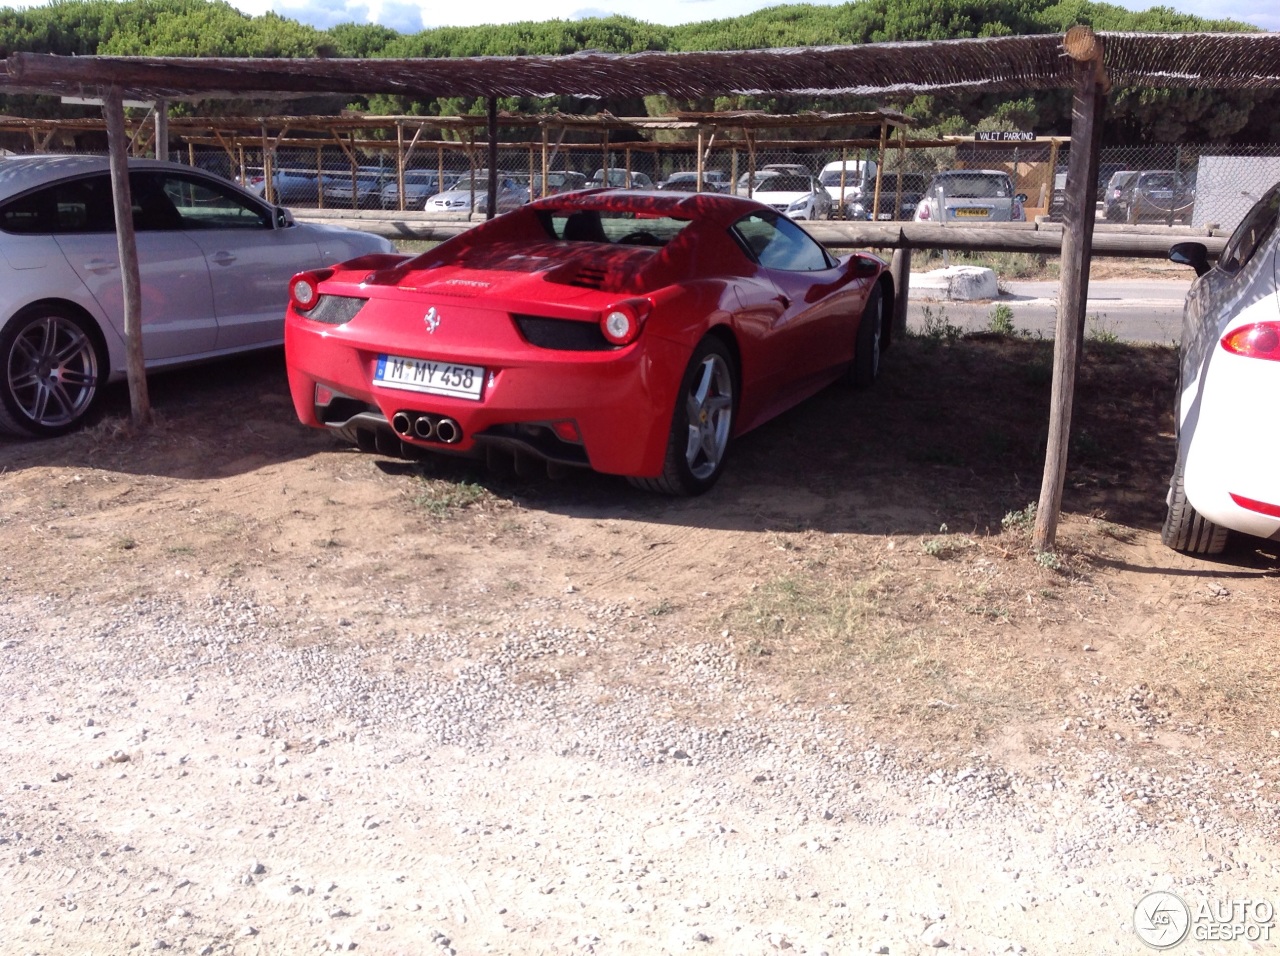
215, 263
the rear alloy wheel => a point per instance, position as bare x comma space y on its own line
51, 371
865, 368
701, 423
1185, 529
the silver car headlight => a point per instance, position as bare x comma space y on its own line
798, 204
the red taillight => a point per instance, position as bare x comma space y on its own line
1262, 507
924, 211
621, 324
1259, 340
567, 430
304, 289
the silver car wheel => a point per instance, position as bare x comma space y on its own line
51, 371
709, 406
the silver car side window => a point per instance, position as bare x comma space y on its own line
205, 204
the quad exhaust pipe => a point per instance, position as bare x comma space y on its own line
437, 428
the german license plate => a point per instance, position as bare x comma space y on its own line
434, 378
971, 212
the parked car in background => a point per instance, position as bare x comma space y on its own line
290, 187
419, 184
763, 172
971, 195
1105, 173
511, 194
633, 333
800, 197
713, 181
214, 260
913, 187
1226, 474
620, 179
749, 182
796, 169
847, 181
361, 189
1112, 210
1156, 195
559, 181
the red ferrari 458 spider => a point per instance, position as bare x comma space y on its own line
634, 333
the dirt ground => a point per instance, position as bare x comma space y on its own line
864, 567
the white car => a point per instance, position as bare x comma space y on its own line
215, 264
800, 197
849, 181
1227, 473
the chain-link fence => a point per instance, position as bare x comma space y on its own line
1200, 186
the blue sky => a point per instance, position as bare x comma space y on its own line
407, 16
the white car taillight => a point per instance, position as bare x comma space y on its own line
1257, 340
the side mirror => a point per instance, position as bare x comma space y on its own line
284, 218
1021, 197
1192, 254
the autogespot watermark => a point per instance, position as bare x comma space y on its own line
1162, 920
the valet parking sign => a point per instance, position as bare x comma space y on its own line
1163, 920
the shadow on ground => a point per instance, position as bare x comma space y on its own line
953, 434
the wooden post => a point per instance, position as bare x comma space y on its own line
699, 167
900, 270
162, 129
399, 164
1087, 106
897, 198
493, 158
546, 163
126, 242
884, 140
268, 175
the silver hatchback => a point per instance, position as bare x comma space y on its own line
971, 195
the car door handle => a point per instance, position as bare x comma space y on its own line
101, 265
223, 258
784, 300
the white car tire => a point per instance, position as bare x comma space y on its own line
1185, 529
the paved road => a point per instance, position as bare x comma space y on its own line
1137, 310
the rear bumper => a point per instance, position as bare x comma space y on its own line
1230, 454
619, 403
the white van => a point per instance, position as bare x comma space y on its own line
858, 173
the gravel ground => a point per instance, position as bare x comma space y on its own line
211, 774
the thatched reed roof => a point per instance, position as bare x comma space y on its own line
997, 64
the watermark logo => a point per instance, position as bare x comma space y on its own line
1161, 920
